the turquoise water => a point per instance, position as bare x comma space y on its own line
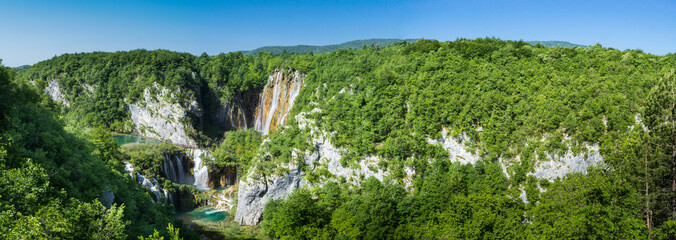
127, 139
203, 214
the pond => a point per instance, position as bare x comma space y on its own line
203, 214
122, 139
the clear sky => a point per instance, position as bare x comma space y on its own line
32, 31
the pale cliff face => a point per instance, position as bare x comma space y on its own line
54, 91
156, 116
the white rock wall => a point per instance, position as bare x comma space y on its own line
154, 116
457, 152
559, 166
54, 91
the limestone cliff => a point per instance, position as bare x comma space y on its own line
53, 89
255, 191
161, 116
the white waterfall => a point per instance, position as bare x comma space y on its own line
128, 167
168, 196
243, 115
173, 170
280, 103
223, 200
179, 168
294, 90
169, 169
200, 170
152, 184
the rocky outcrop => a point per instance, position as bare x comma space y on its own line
256, 191
559, 166
277, 99
255, 194
457, 151
53, 89
160, 116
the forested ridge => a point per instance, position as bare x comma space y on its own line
515, 103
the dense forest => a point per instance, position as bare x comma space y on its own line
514, 103
55, 180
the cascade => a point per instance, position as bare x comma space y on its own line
294, 90
200, 170
179, 168
173, 169
152, 184
169, 169
168, 196
276, 100
128, 167
223, 199
239, 103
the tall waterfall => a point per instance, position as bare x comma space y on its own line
200, 170
276, 100
173, 170
243, 115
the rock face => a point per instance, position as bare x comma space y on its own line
222, 177
254, 194
560, 166
457, 152
157, 116
54, 91
231, 116
256, 191
277, 99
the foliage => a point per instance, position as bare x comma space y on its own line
509, 98
51, 179
238, 148
357, 44
172, 234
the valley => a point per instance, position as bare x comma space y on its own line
468, 139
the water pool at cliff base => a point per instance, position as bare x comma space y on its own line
202, 214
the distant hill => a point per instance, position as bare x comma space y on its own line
357, 44
22, 67
555, 44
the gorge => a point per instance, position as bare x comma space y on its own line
450, 137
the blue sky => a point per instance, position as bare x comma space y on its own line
32, 31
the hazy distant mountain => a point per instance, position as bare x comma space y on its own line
22, 67
357, 44
555, 44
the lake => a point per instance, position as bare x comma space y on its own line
123, 139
